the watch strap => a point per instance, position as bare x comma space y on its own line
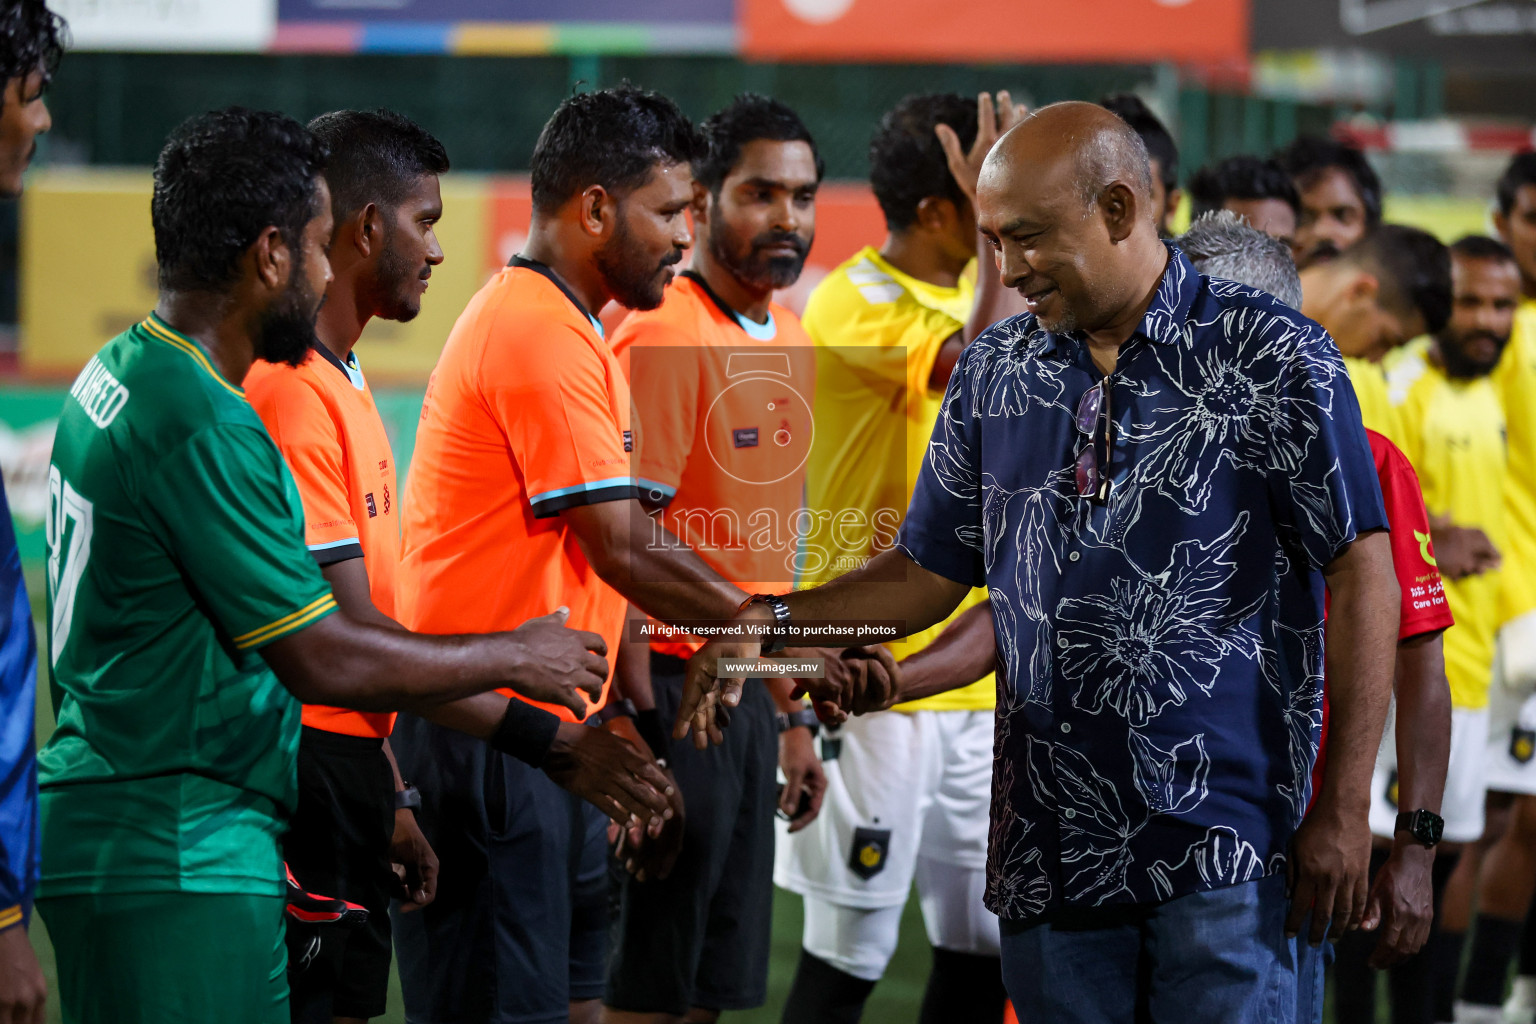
408, 798
777, 636
795, 719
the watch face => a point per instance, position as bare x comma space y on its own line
1427, 827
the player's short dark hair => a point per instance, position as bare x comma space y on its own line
1481, 247
906, 160
1413, 269
1309, 156
1241, 177
376, 156
1520, 172
32, 38
1130, 108
223, 178
613, 138
748, 118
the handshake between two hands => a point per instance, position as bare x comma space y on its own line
857, 680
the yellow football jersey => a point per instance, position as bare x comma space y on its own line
1515, 379
1453, 433
1378, 412
877, 333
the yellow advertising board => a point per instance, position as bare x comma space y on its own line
88, 272
88, 261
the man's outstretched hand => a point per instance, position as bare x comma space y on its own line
611, 774
858, 680
558, 665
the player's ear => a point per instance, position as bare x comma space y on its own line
1364, 288
596, 210
367, 230
1501, 225
937, 214
272, 258
700, 204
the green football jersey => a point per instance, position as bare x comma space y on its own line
175, 552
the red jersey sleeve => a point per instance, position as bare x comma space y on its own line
1424, 608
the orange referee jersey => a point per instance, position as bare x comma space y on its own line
527, 413
323, 418
723, 430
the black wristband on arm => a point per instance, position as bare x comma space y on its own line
648, 725
525, 732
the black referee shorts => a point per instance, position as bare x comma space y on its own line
700, 937
519, 928
338, 845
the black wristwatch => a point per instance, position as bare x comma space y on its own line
615, 709
1425, 826
774, 639
408, 798
795, 719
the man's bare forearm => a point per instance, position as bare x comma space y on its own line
890, 588
1360, 645
964, 653
643, 560
344, 663
1423, 723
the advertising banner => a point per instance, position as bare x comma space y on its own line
88, 272
426, 11
1046, 31
200, 25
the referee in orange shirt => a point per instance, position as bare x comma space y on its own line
723, 381
355, 815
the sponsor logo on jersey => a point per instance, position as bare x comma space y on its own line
100, 394
386, 499
373, 510
744, 437
629, 440
1423, 539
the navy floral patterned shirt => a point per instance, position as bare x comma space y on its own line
1161, 653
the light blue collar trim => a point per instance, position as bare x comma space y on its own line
761, 332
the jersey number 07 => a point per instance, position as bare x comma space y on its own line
69, 546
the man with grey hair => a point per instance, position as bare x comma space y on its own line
1221, 244
1154, 473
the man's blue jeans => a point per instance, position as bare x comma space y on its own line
1217, 956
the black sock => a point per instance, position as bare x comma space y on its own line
1411, 984
1493, 946
1351, 978
1528, 943
963, 988
822, 994
1442, 953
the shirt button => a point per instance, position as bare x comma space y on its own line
1066, 726
1061, 641
1069, 814
1074, 556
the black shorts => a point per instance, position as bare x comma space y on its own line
700, 937
519, 929
338, 845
